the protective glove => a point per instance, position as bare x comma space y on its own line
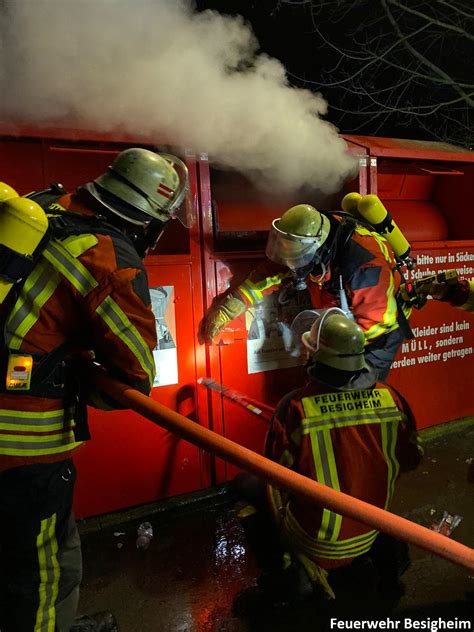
439, 291
225, 313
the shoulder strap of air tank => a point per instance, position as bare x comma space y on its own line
64, 224
48, 196
345, 229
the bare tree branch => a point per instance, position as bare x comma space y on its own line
431, 20
422, 58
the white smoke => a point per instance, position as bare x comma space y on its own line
158, 70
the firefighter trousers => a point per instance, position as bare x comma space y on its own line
40, 552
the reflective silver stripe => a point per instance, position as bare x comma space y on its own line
36, 443
38, 288
121, 326
333, 422
69, 267
18, 417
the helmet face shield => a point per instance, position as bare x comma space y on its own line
182, 206
292, 251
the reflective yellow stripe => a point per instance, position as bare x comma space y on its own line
268, 282
56, 438
30, 445
253, 292
343, 408
389, 442
43, 281
72, 269
38, 288
36, 443
389, 319
251, 300
41, 451
341, 549
326, 473
369, 418
120, 325
26, 421
47, 549
77, 245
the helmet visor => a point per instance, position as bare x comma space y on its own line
292, 251
182, 206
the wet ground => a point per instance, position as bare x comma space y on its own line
199, 560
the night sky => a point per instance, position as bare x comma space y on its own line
383, 100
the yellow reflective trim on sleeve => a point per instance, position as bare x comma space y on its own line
47, 550
119, 323
268, 282
253, 292
67, 265
389, 319
469, 304
251, 300
249, 289
77, 245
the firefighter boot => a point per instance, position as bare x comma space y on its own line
99, 622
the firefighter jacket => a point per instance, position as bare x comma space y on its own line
87, 292
356, 442
366, 263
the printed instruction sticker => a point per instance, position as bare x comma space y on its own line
269, 335
165, 353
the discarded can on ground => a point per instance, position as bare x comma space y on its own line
447, 524
145, 535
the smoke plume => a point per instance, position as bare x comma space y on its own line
164, 73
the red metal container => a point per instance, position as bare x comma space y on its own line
428, 189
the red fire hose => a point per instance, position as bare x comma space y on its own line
287, 479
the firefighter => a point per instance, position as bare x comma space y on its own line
353, 440
338, 260
86, 296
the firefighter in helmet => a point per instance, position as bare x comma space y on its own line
353, 440
85, 294
338, 260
